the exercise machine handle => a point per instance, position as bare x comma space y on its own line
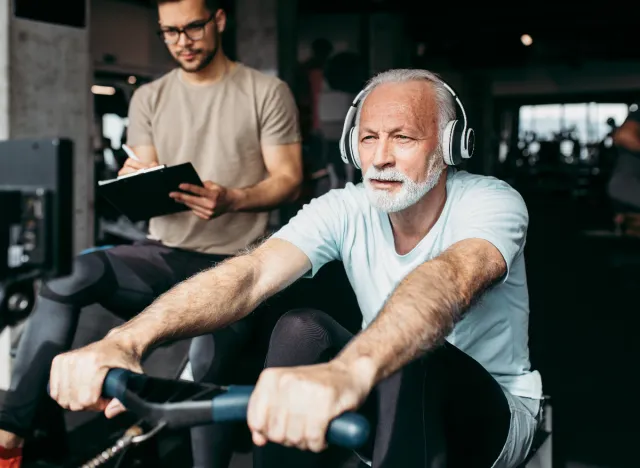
349, 430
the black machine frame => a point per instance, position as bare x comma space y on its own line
36, 219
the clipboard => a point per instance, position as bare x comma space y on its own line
145, 194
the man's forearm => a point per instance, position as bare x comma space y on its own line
628, 136
198, 305
417, 317
266, 195
628, 142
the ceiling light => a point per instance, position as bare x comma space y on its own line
132, 80
103, 90
526, 40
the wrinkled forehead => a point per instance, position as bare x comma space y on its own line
392, 104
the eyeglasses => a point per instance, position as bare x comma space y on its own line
194, 31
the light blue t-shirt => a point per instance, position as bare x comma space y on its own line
343, 225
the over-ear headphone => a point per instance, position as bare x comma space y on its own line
457, 140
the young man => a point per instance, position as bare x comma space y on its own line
240, 130
435, 257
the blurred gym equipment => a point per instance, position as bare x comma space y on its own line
36, 195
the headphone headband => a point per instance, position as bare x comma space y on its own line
457, 99
457, 140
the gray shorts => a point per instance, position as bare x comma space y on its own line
525, 419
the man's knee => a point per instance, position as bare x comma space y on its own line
296, 324
201, 356
304, 337
89, 270
216, 356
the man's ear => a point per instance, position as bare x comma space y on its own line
221, 20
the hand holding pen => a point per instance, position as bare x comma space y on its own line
133, 163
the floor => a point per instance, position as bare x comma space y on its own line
244, 461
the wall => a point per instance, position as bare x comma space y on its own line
342, 30
591, 77
389, 47
127, 32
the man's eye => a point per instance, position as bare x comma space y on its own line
194, 27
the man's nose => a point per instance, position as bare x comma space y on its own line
184, 40
383, 155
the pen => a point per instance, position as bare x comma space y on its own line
130, 153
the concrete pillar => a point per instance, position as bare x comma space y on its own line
287, 23
257, 34
266, 36
266, 39
45, 90
45, 81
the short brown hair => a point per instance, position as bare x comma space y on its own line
212, 5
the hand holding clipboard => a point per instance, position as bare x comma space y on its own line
206, 202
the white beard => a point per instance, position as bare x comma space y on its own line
410, 192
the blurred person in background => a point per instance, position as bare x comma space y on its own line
239, 128
346, 74
310, 82
624, 185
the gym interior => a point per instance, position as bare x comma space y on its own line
545, 87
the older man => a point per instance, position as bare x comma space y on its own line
435, 257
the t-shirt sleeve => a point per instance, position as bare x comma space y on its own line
139, 131
318, 230
279, 122
495, 212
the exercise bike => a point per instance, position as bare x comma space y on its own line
165, 405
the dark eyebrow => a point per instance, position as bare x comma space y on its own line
197, 22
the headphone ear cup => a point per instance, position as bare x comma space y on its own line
353, 145
343, 150
456, 143
448, 143
345, 143
470, 143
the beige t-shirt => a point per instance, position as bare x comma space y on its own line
219, 128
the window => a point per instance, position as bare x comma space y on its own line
113, 127
586, 121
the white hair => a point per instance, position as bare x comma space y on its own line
444, 99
